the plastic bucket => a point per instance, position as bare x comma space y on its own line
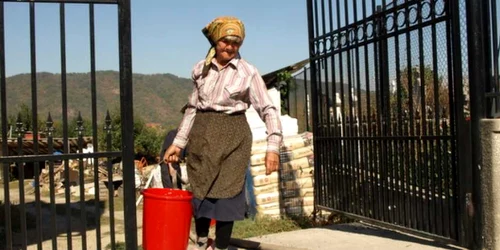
167, 217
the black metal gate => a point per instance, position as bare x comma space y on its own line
42, 217
391, 112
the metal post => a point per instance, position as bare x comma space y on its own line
461, 129
313, 76
3, 100
127, 116
479, 76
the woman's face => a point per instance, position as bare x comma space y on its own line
226, 50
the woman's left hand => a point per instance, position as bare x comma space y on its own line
272, 162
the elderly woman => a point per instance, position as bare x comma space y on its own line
215, 129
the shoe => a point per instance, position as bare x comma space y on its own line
202, 243
211, 245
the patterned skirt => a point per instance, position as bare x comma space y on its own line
219, 150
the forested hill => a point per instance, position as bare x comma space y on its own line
158, 98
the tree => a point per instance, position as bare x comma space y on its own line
25, 119
73, 125
285, 85
147, 141
421, 81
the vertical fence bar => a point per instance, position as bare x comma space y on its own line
423, 128
95, 144
127, 117
343, 143
330, 92
53, 212
108, 129
495, 52
449, 152
312, 54
81, 182
479, 75
306, 102
5, 149
317, 73
321, 122
335, 133
348, 113
450, 130
64, 100
430, 166
451, 192
393, 180
336, 64
418, 172
400, 167
409, 192
333, 128
488, 58
386, 114
327, 164
411, 123
370, 144
460, 130
34, 108
355, 88
447, 210
361, 164
376, 121
436, 149
381, 126
20, 166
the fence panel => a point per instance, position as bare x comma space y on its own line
50, 161
388, 104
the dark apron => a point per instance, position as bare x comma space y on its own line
219, 151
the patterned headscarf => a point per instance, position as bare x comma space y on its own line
217, 29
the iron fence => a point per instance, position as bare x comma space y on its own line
36, 222
492, 51
389, 111
299, 99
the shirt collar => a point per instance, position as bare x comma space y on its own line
234, 62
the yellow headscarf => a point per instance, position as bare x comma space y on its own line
217, 29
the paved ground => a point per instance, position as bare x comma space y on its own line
349, 236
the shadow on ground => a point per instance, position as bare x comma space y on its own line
361, 228
56, 220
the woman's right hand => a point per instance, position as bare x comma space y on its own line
172, 154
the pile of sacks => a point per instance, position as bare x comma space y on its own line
290, 191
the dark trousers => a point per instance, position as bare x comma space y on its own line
223, 231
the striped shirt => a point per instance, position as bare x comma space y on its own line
231, 89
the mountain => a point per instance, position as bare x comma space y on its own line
157, 98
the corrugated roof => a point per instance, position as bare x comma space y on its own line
58, 144
271, 78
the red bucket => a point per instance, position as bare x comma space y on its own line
166, 219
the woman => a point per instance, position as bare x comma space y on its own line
217, 133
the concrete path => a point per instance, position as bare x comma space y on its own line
349, 236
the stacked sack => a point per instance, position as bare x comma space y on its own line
290, 190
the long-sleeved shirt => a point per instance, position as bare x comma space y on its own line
230, 89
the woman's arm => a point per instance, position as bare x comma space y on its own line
267, 111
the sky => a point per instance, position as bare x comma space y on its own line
166, 35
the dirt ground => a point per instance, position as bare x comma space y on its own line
61, 220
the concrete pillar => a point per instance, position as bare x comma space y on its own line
490, 183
